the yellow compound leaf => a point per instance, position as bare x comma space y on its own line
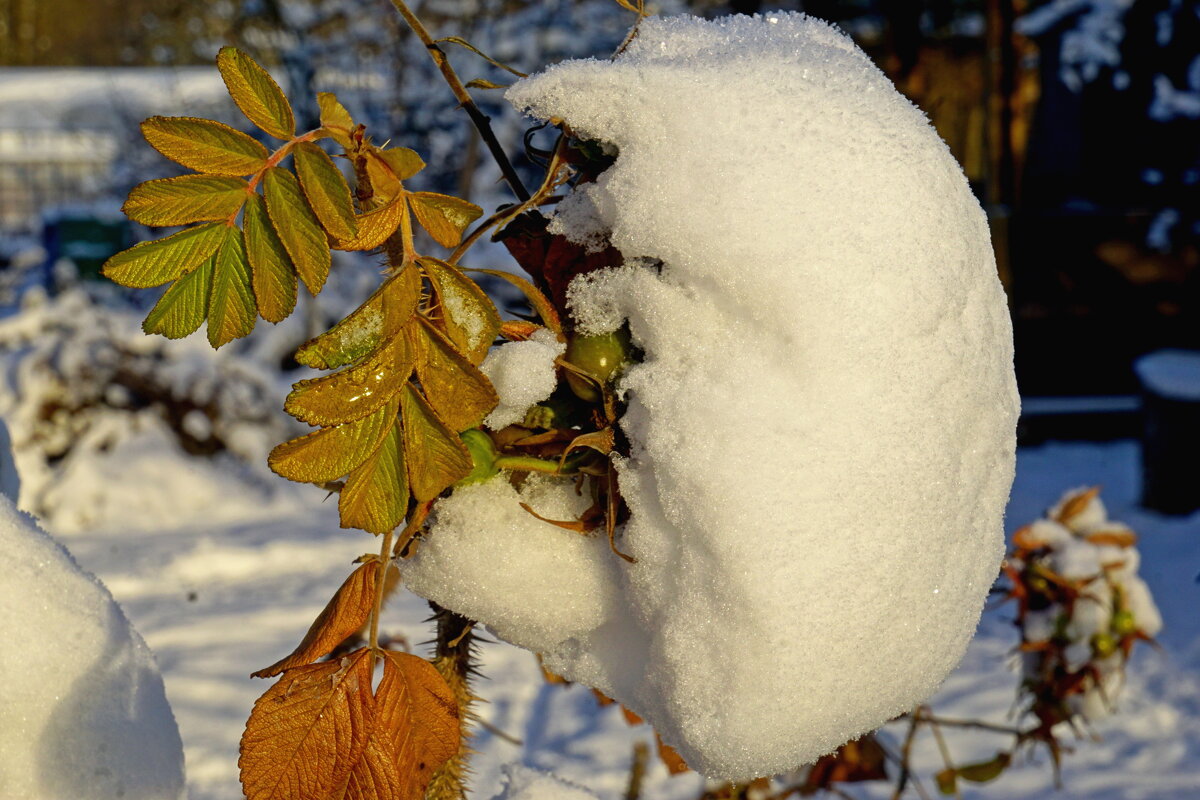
154, 263
256, 93
457, 390
364, 330
356, 391
298, 228
403, 162
469, 317
186, 199
445, 217
231, 309
273, 277
375, 497
326, 189
205, 145
346, 612
416, 731
330, 453
435, 455
335, 119
540, 303
308, 731
181, 309
375, 226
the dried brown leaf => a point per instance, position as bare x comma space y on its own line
307, 732
345, 613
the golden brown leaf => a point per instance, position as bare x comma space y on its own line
435, 455
346, 612
307, 732
541, 305
443, 216
274, 277
468, 314
330, 453
1075, 505
356, 391
326, 189
205, 145
365, 329
154, 263
256, 93
416, 731
297, 226
335, 119
457, 390
375, 226
185, 199
375, 497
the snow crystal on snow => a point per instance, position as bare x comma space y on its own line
523, 374
822, 429
85, 715
523, 783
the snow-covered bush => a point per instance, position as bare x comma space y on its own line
1081, 608
742, 466
89, 397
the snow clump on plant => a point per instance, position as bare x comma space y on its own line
821, 430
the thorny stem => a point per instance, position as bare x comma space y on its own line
480, 120
385, 561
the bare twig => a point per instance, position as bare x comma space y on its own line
637, 771
478, 118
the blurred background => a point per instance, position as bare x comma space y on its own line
1077, 122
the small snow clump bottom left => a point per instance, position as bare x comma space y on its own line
85, 713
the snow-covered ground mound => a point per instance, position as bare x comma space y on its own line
85, 714
822, 428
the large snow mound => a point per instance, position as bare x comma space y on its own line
85, 715
822, 429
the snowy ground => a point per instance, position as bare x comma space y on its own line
220, 594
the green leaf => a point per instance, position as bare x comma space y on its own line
335, 119
181, 309
457, 390
947, 781
186, 199
154, 263
256, 93
205, 145
375, 226
984, 771
375, 497
330, 453
274, 278
231, 309
471, 320
362, 332
326, 189
297, 227
403, 162
354, 392
445, 217
436, 456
